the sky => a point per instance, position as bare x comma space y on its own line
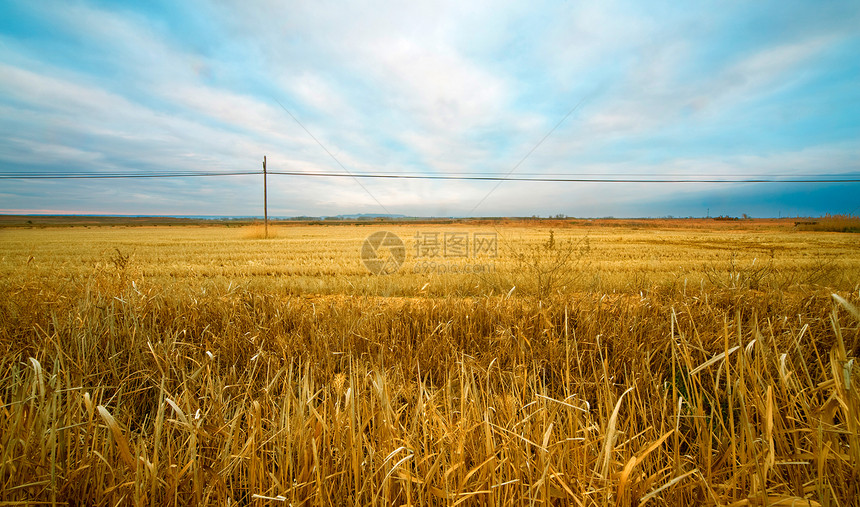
567, 89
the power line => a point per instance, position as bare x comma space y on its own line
649, 175
97, 175
643, 179
570, 177
527, 155
330, 154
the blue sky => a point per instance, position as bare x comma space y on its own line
707, 90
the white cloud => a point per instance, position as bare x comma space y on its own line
427, 86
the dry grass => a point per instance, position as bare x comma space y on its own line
119, 386
325, 260
259, 231
832, 223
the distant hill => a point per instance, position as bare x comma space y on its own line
359, 216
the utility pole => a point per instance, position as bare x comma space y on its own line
265, 202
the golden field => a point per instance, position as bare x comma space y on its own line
595, 363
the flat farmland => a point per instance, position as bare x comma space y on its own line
327, 260
672, 362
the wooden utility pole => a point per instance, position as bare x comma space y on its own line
265, 202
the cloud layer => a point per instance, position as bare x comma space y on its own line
770, 88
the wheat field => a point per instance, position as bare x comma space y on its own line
622, 363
